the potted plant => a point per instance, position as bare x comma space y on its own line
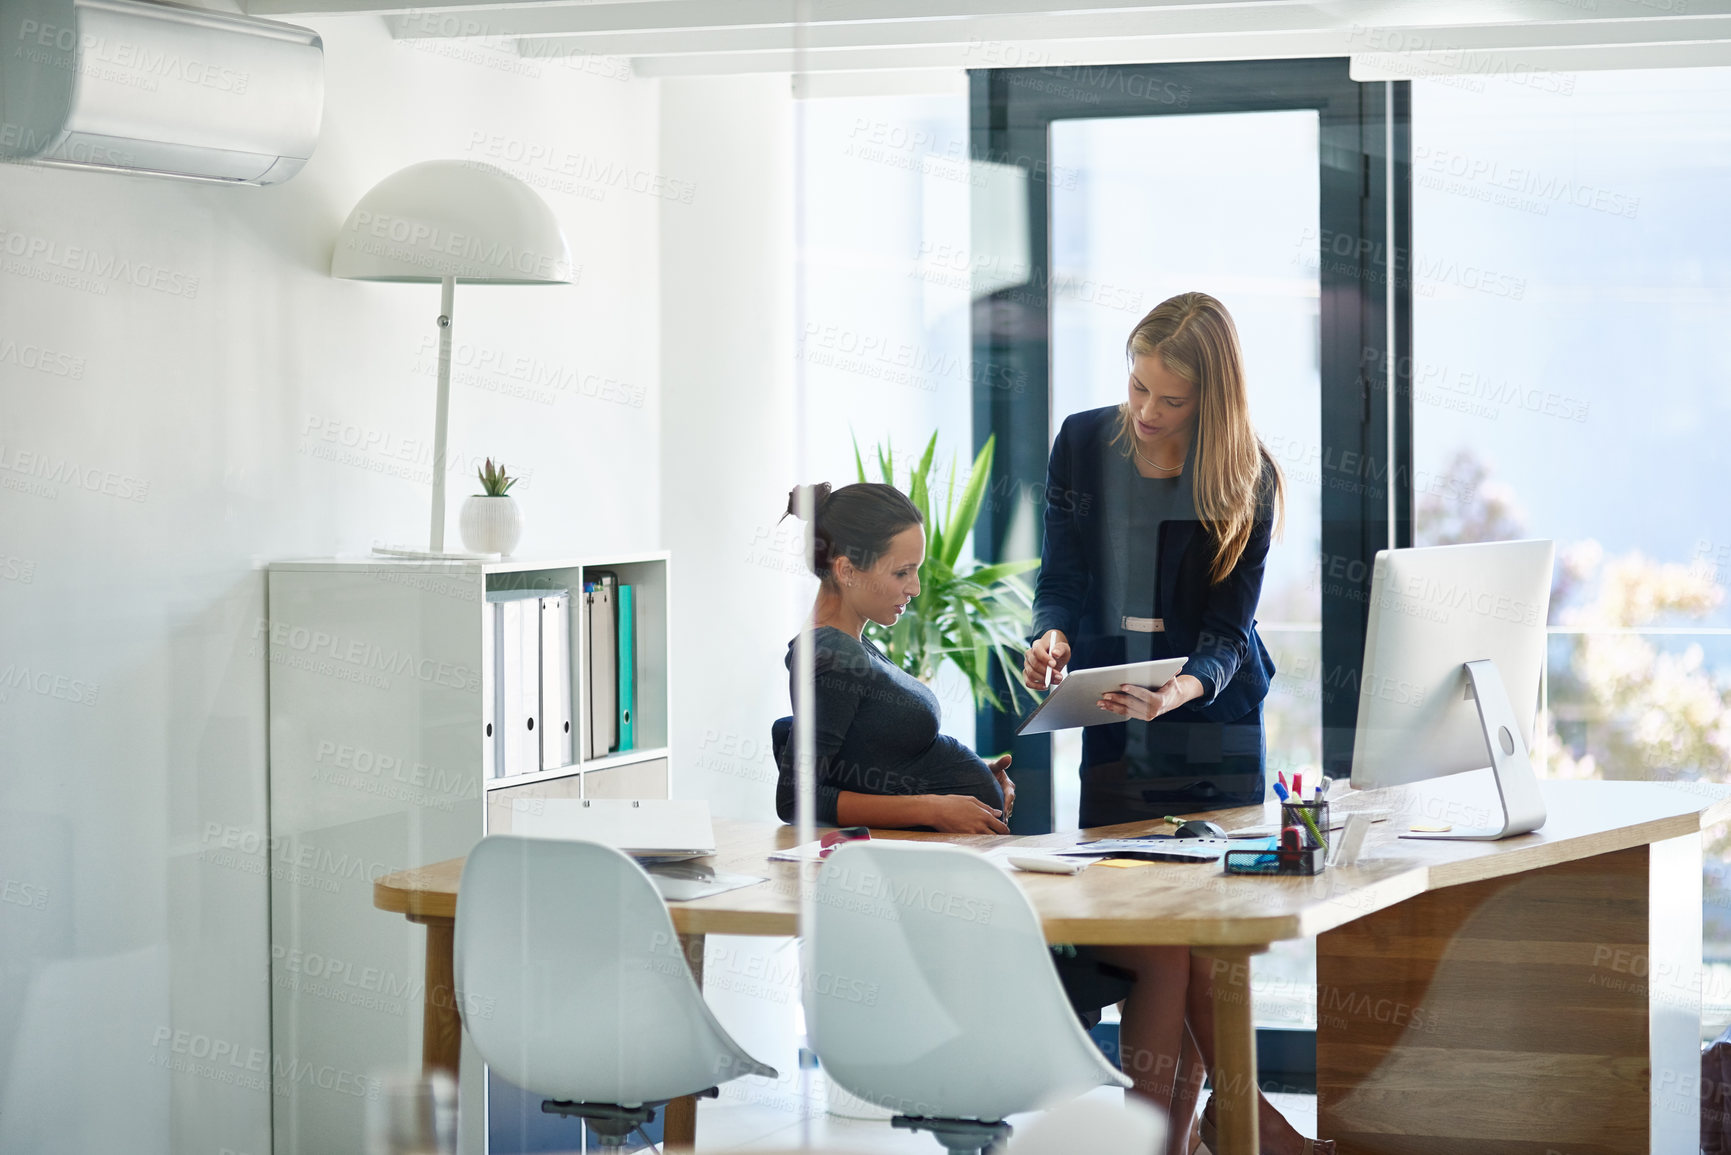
490, 521
978, 619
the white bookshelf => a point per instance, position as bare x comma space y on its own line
376, 764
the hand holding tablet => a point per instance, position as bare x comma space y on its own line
1144, 704
1075, 700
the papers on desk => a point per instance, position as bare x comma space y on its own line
804, 852
1158, 848
999, 856
685, 881
813, 852
644, 828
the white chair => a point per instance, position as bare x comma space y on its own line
572, 984
93, 1062
930, 990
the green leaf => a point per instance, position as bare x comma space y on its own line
935, 536
963, 525
494, 482
990, 574
917, 482
950, 500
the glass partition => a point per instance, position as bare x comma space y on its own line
1552, 311
1144, 208
1128, 232
1568, 382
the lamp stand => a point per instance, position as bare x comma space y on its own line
441, 424
442, 414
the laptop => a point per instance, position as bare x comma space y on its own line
653, 829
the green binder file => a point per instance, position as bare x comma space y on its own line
627, 668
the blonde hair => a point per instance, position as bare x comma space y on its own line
1194, 337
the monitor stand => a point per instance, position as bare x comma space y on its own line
1517, 785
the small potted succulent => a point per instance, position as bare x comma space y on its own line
490, 521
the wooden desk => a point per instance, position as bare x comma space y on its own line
1472, 996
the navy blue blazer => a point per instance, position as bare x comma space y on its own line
1215, 624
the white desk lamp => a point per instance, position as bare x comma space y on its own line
446, 221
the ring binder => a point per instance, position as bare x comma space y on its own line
602, 709
556, 736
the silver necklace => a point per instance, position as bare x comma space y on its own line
1152, 464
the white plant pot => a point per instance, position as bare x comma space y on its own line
490, 524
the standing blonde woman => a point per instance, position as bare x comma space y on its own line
1158, 518
1159, 513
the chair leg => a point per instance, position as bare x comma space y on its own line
959, 1136
611, 1125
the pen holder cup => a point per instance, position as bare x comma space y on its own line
1311, 818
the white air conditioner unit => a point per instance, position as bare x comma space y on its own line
159, 89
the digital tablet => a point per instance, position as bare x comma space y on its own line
1071, 702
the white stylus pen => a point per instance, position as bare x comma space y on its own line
1049, 662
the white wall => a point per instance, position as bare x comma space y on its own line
763, 320
174, 439
727, 432
159, 445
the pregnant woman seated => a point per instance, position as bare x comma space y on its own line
880, 760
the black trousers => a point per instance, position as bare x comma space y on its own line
1175, 767
1172, 765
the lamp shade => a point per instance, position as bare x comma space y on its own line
452, 218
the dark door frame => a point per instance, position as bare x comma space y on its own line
1364, 427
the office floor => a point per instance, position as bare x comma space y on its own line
763, 1123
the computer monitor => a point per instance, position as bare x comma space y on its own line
1453, 654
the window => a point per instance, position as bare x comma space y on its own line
1572, 281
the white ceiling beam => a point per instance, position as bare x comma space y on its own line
1514, 37
644, 15
1520, 48
1121, 50
746, 36
551, 22
640, 15
1024, 41
1519, 63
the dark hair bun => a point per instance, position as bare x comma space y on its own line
855, 522
817, 494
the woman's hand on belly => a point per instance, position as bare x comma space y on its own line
948, 813
999, 767
963, 814
1145, 705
